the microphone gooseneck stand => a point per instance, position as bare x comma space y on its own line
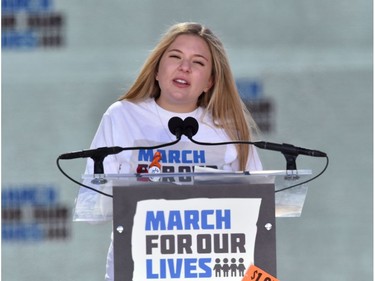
290, 152
98, 155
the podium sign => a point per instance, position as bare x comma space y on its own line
210, 229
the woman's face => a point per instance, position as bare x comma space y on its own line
184, 73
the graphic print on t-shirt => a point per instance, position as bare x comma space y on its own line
179, 158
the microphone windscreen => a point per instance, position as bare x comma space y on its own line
175, 124
191, 125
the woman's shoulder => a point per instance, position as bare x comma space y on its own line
128, 106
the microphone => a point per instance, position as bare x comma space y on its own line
92, 153
290, 149
176, 126
190, 127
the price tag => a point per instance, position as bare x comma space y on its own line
254, 273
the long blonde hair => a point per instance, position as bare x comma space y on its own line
222, 100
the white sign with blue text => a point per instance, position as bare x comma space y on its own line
194, 239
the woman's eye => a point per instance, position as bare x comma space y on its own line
174, 56
199, 62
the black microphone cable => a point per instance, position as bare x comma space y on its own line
174, 125
77, 182
246, 142
191, 128
306, 181
123, 149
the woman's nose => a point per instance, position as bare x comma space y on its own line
185, 65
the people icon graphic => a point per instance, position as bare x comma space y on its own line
222, 268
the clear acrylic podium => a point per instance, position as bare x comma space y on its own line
193, 226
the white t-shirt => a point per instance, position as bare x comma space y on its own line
145, 124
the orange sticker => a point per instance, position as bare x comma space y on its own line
254, 273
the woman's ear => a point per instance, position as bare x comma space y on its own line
210, 84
